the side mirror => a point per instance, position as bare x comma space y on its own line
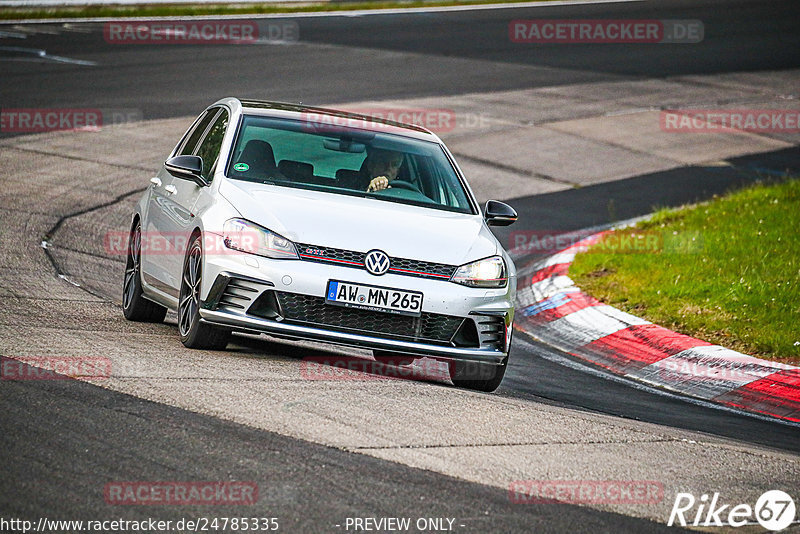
187, 168
499, 214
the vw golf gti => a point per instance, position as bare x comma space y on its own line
311, 223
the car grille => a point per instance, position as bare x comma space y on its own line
310, 310
349, 258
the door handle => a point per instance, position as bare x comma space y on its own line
171, 189
155, 181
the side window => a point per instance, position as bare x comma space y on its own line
191, 140
212, 144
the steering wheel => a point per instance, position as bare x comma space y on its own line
402, 184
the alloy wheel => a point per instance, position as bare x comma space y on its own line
132, 267
190, 290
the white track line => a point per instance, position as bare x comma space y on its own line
35, 54
355, 13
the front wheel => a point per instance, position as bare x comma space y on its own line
477, 376
195, 334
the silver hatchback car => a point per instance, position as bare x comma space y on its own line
317, 224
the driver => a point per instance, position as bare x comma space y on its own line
381, 166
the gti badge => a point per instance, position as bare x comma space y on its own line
376, 262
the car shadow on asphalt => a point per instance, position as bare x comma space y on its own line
339, 363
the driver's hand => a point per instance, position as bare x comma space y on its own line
378, 184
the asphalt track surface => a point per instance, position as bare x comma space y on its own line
450, 53
77, 441
85, 436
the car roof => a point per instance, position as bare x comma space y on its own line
331, 116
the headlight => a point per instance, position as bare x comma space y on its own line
239, 234
488, 272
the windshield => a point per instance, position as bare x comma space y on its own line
346, 161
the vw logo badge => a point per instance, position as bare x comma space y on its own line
376, 262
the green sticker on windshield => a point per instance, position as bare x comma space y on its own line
241, 167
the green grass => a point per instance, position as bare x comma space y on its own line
726, 271
175, 10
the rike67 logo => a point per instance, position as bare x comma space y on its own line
774, 510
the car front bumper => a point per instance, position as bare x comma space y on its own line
235, 286
259, 325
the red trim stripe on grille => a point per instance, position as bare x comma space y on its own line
332, 259
418, 272
359, 264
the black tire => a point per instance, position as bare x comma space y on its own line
393, 358
194, 334
134, 306
477, 376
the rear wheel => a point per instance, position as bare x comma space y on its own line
477, 376
134, 305
195, 334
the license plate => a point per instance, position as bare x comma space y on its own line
375, 298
